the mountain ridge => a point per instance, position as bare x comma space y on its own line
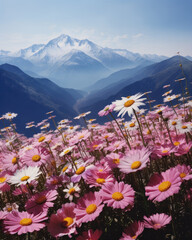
161, 73
46, 59
31, 97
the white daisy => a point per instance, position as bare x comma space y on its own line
65, 151
72, 129
71, 191
82, 115
167, 93
184, 127
9, 115
25, 175
132, 125
45, 126
129, 104
30, 126
171, 97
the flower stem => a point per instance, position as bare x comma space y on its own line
121, 131
139, 128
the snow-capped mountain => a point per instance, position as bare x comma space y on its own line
28, 52
56, 50
71, 62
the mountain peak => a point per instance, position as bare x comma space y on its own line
177, 59
62, 41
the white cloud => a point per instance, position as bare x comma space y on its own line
138, 35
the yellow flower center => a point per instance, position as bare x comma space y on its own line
106, 136
26, 221
25, 178
41, 199
71, 127
100, 180
2, 179
41, 139
67, 221
117, 196
66, 151
95, 146
134, 237
91, 208
82, 136
9, 209
174, 123
36, 158
164, 186
80, 170
164, 151
129, 103
132, 125
14, 160
135, 164
156, 225
182, 175
71, 191
176, 143
65, 168
10, 114
184, 127
148, 132
55, 182
116, 160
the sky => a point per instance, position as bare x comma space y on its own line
144, 26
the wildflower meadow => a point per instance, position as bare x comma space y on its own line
129, 178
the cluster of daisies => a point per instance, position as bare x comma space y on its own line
121, 180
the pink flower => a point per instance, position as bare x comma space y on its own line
41, 202
182, 148
88, 207
157, 221
34, 157
56, 181
3, 214
114, 159
80, 172
90, 235
4, 178
83, 135
107, 109
135, 160
164, 185
164, 150
185, 172
24, 188
132, 231
116, 145
10, 162
95, 177
117, 195
23, 222
64, 222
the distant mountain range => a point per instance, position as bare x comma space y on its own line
128, 82
31, 97
74, 63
